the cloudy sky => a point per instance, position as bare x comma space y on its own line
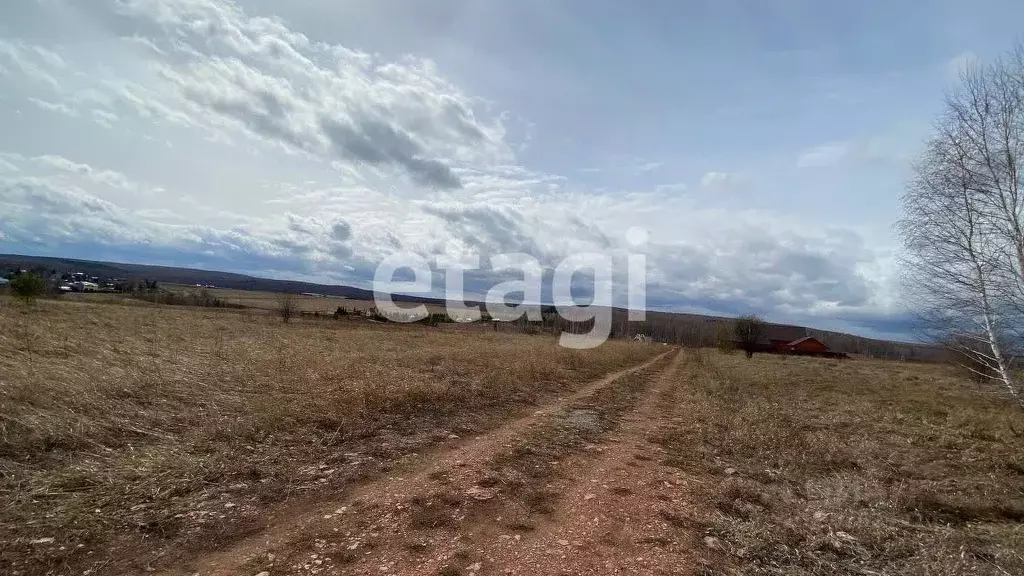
762, 145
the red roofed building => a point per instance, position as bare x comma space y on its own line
805, 345
782, 339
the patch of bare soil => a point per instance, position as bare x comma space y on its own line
394, 524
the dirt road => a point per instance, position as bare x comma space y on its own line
575, 488
619, 513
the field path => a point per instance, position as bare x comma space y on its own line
622, 512
365, 519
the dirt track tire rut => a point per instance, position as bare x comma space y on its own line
620, 511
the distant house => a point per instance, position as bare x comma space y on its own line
783, 339
805, 345
778, 336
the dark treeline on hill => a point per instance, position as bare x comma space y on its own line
671, 327
170, 274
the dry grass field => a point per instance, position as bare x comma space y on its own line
808, 466
129, 429
137, 437
271, 300
261, 300
251, 299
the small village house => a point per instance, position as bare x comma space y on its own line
794, 340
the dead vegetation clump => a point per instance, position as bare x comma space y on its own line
812, 466
130, 432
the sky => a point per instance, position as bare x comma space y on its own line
763, 146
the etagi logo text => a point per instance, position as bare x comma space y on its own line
525, 289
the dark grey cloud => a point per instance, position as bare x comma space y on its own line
261, 112
491, 230
371, 141
376, 142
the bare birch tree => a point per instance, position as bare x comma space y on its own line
963, 224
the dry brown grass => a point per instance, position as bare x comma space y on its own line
271, 300
253, 299
809, 466
132, 429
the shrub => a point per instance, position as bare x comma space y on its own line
27, 287
286, 306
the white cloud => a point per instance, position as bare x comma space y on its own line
53, 107
624, 164
676, 187
109, 178
824, 156
34, 63
959, 64
719, 181
104, 118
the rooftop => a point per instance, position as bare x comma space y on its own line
782, 332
